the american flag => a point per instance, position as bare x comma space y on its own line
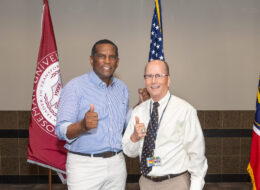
156, 46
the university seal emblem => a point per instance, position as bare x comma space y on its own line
47, 93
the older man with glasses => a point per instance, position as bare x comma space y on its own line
166, 134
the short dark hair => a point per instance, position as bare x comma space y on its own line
165, 64
104, 41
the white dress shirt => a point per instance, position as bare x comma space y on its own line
179, 143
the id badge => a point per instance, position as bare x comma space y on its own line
153, 161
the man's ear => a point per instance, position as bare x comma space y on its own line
91, 60
117, 62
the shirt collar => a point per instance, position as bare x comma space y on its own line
98, 82
164, 100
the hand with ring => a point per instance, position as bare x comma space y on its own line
139, 131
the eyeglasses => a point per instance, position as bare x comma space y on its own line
157, 76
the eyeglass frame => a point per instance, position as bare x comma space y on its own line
156, 76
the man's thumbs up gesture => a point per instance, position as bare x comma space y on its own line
90, 120
139, 131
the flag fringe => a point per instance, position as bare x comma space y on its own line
251, 173
45, 166
63, 180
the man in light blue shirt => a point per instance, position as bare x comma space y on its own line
91, 118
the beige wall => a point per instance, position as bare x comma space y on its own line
212, 46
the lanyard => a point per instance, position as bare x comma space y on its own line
155, 132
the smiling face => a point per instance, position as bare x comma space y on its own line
104, 62
157, 87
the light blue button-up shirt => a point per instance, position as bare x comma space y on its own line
111, 103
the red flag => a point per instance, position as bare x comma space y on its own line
254, 164
44, 148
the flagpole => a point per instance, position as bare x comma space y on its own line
50, 182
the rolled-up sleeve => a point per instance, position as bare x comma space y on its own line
67, 111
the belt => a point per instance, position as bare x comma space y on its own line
162, 178
102, 155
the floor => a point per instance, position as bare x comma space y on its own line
130, 186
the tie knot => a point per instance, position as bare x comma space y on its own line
155, 105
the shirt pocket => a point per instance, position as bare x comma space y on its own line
170, 130
102, 112
119, 114
123, 106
